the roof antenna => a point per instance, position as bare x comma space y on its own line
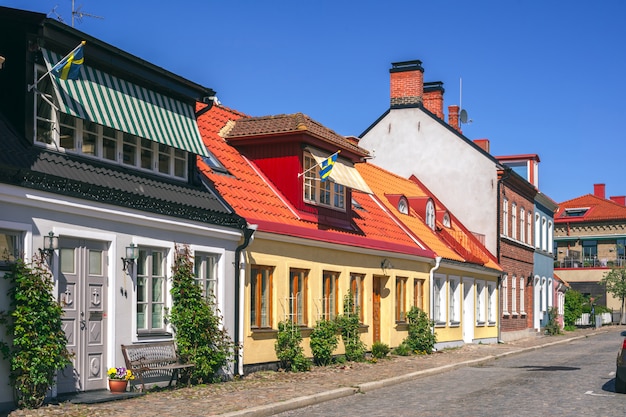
54, 12
79, 15
463, 111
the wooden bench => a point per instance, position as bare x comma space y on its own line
142, 358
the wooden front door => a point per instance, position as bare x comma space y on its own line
376, 289
82, 293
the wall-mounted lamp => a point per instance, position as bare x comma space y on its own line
386, 264
132, 253
50, 244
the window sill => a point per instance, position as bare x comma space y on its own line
455, 324
154, 336
480, 324
440, 324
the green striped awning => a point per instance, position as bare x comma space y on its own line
110, 101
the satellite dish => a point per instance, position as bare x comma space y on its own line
463, 116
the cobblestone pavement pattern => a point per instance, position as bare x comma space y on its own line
267, 393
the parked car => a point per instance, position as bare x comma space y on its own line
620, 373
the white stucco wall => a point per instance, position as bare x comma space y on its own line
36, 213
410, 142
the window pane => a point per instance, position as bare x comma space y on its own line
67, 260
146, 154
9, 250
157, 316
95, 262
141, 316
90, 137
142, 262
157, 289
66, 132
157, 263
129, 150
265, 298
142, 296
109, 144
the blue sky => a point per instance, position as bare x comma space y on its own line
538, 77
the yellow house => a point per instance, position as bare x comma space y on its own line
464, 282
315, 241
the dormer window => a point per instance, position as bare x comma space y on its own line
104, 117
446, 220
403, 206
575, 212
325, 193
430, 214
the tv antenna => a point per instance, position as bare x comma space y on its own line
55, 14
463, 115
76, 13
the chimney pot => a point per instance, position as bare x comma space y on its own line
406, 83
453, 117
599, 190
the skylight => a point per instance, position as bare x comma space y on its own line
575, 212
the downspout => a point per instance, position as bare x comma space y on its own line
248, 237
431, 303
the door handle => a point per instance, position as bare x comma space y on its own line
83, 323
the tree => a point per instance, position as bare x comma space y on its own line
615, 283
200, 338
573, 308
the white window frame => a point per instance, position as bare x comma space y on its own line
514, 220
322, 193
178, 159
454, 296
550, 237
439, 298
537, 230
480, 303
492, 310
505, 295
149, 276
529, 228
522, 225
505, 217
206, 273
544, 234
522, 307
514, 295
430, 214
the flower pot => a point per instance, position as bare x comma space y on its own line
118, 385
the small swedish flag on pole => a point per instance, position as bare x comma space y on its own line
327, 165
69, 67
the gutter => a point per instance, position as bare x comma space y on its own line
248, 233
431, 303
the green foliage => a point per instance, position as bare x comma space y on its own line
573, 307
615, 283
200, 337
349, 324
553, 328
402, 350
323, 341
288, 349
33, 322
421, 338
380, 350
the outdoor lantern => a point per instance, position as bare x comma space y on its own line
50, 244
132, 253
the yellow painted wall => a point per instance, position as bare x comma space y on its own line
259, 344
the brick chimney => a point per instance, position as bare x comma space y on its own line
599, 190
619, 199
483, 143
433, 98
453, 117
406, 83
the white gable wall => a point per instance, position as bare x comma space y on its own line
410, 142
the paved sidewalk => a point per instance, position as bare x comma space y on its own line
267, 393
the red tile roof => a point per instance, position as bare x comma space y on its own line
454, 243
599, 209
289, 123
253, 197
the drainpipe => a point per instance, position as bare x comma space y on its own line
431, 306
248, 233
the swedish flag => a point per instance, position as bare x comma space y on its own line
327, 165
69, 67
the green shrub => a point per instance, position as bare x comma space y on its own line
402, 350
288, 349
421, 338
200, 337
553, 327
38, 348
573, 308
349, 324
324, 341
380, 350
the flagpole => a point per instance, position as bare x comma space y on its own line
318, 164
30, 87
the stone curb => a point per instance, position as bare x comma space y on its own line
300, 402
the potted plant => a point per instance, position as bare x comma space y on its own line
118, 379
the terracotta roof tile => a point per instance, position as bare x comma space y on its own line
289, 123
253, 197
599, 209
454, 243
